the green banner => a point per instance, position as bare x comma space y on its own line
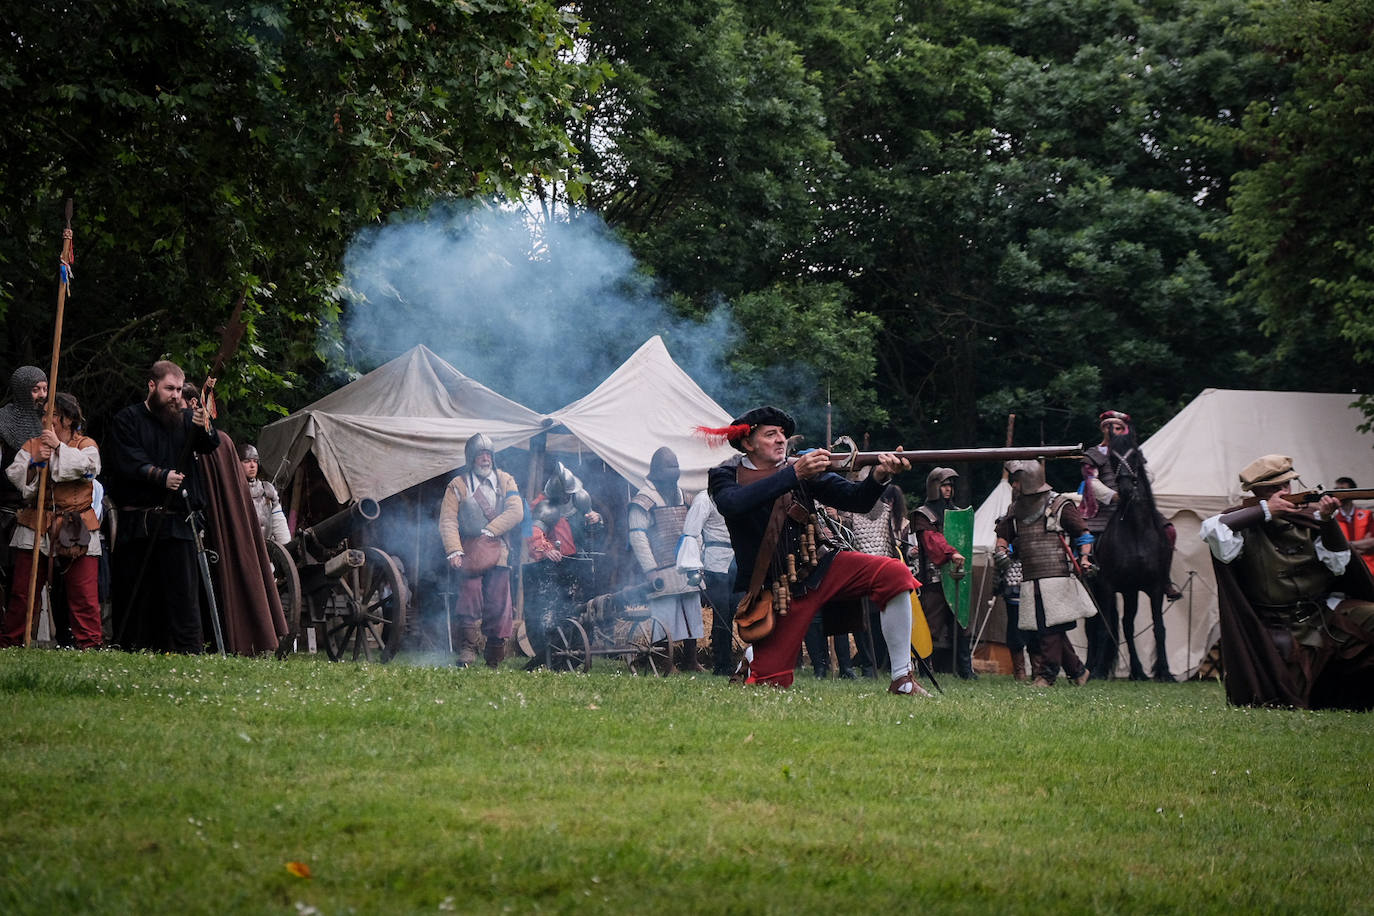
958, 592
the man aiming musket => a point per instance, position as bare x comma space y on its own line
787, 566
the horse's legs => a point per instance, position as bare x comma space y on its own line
1130, 602
1102, 629
1161, 671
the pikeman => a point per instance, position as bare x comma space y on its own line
784, 556
657, 514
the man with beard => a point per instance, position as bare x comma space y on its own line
657, 514
1041, 524
156, 483
933, 558
481, 506
770, 504
20, 420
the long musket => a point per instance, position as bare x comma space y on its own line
849, 460
1304, 499
64, 278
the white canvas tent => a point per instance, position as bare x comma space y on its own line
1194, 462
401, 424
647, 403
407, 421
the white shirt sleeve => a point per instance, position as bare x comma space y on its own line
1224, 543
689, 546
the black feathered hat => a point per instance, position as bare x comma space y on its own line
747, 423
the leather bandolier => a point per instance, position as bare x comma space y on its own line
1039, 541
804, 548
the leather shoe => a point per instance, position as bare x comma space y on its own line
916, 689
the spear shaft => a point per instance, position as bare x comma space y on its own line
63, 282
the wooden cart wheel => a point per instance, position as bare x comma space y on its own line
650, 648
366, 613
289, 591
568, 648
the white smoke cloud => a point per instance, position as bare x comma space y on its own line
540, 312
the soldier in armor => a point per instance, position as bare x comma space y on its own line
560, 567
657, 514
767, 497
481, 506
933, 558
266, 501
1041, 524
1297, 616
20, 420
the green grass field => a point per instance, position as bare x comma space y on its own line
141, 784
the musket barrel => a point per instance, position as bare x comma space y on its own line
845, 460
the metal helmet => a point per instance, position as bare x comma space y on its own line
476, 445
664, 471
562, 484
937, 477
1032, 475
247, 452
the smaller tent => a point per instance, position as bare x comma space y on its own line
647, 403
401, 424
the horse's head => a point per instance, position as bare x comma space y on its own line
1127, 462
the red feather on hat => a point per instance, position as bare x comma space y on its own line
722, 435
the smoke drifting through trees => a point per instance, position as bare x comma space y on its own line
540, 313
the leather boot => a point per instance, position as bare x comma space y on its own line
690, 661
468, 638
963, 656
495, 652
1018, 665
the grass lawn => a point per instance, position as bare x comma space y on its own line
142, 784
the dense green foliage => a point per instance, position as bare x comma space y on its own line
216, 147
940, 213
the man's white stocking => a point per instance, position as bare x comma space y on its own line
896, 621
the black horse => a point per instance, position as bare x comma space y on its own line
1134, 552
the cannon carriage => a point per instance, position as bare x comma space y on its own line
615, 625
353, 596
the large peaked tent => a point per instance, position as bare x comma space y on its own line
399, 425
1194, 462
